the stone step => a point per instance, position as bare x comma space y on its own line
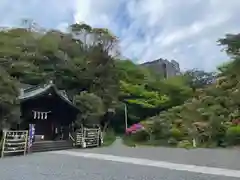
42, 146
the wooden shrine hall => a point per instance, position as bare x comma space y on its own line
47, 124
49, 109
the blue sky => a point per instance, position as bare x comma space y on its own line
184, 30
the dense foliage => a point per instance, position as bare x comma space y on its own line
84, 61
79, 60
9, 109
211, 116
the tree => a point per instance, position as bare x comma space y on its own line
79, 60
97, 60
84, 61
9, 112
199, 79
92, 108
231, 43
211, 114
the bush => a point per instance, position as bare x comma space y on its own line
175, 133
140, 136
172, 142
109, 138
127, 140
92, 108
233, 135
185, 144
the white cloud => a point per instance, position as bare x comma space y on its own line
48, 13
183, 30
194, 29
186, 31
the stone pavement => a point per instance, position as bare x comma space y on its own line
126, 164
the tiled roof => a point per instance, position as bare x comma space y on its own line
34, 91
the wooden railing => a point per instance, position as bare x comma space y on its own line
88, 137
72, 139
14, 142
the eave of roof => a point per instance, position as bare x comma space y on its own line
37, 91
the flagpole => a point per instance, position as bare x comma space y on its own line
126, 123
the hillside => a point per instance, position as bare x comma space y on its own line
210, 117
84, 62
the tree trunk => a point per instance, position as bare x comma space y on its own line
105, 126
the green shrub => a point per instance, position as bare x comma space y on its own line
172, 142
140, 136
233, 135
127, 140
109, 138
185, 144
155, 142
176, 133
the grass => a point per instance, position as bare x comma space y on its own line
109, 138
128, 141
132, 142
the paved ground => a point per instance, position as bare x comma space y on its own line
222, 158
53, 166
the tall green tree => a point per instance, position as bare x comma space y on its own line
9, 109
92, 109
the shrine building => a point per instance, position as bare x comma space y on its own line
50, 109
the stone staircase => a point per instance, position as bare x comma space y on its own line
42, 146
